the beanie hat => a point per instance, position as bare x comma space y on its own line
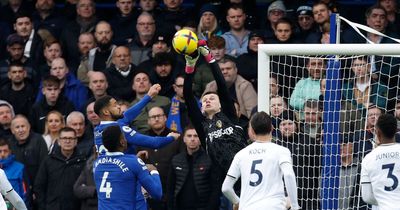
277, 5
208, 8
2, 102
257, 33
304, 10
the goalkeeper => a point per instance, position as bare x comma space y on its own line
216, 123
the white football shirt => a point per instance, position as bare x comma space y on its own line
381, 168
5, 187
258, 165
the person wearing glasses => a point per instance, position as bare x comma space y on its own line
58, 172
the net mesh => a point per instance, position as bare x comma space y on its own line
306, 105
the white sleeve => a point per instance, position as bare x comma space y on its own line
5, 185
290, 183
367, 194
227, 189
16, 200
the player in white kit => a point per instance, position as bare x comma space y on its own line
8, 192
380, 169
261, 166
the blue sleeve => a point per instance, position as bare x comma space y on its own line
152, 183
134, 111
136, 139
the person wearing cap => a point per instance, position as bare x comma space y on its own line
247, 62
237, 38
6, 116
276, 11
305, 22
15, 51
208, 24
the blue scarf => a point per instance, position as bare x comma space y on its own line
174, 116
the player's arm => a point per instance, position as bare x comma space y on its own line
9, 192
290, 183
231, 177
286, 166
134, 111
367, 193
136, 139
195, 116
149, 179
226, 101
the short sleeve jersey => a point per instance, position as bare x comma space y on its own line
258, 165
5, 187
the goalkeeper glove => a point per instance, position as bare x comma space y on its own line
205, 51
191, 62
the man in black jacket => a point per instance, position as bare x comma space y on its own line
192, 183
58, 173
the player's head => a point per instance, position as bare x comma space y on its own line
385, 129
113, 139
107, 108
260, 125
210, 103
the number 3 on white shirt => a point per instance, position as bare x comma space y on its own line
105, 187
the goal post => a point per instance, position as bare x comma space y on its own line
335, 56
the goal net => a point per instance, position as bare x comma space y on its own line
324, 101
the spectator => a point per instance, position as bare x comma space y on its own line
247, 62
392, 14
321, 13
240, 89
364, 90
52, 100
92, 116
276, 11
85, 188
13, 8
178, 115
120, 74
161, 158
28, 147
6, 115
161, 43
100, 56
48, 17
51, 51
97, 84
305, 22
141, 85
150, 6
191, 188
76, 121
278, 107
312, 123
84, 22
61, 169
15, 171
124, 22
70, 87
208, 24
165, 70
15, 49
23, 26
237, 37
173, 16
284, 32
308, 88
19, 92
54, 123
85, 44
141, 44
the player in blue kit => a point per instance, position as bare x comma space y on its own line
110, 114
117, 175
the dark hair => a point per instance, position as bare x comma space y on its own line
101, 103
311, 103
4, 142
16, 64
67, 129
188, 127
111, 136
163, 58
285, 20
368, 12
387, 124
22, 15
50, 81
234, 6
261, 123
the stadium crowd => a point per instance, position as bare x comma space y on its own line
55, 62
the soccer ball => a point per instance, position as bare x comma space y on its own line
185, 42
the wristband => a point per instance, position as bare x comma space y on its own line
154, 172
